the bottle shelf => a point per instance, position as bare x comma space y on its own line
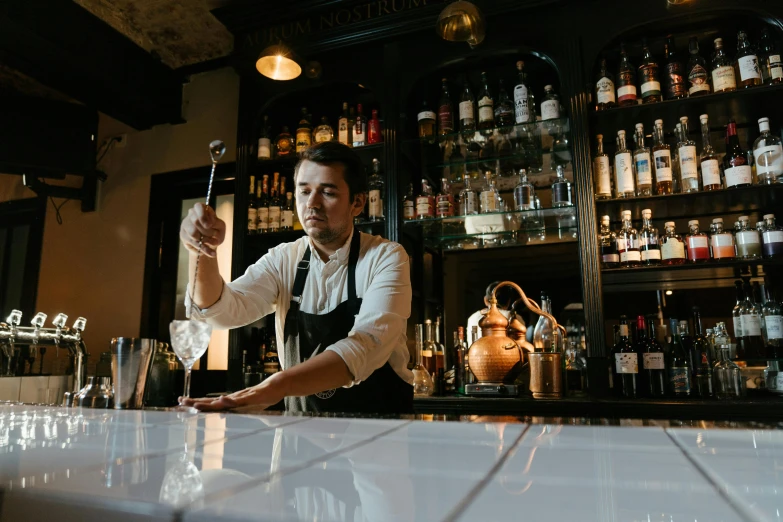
369, 223
291, 160
281, 235
561, 124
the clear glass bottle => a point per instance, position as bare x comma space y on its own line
642, 163
773, 323
768, 155
722, 337
468, 198
698, 77
736, 314
747, 62
679, 364
489, 195
550, 106
750, 311
523, 111
626, 81
324, 131
422, 380
723, 79
265, 141
772, 238
662, 156
486, 105
672, 246
543, 334
524, 193
445, 110
648, 240
697, 243
601, 172
710, 166
727, 375
702, 365
736, 168
444, 201
689, 163
605, 97
409, 204
607, 240
425, 202
721, 241
376, 192
504, 108
649, 76
769, 59
426, 119
561, 190
360, 128
675, 78
628, 243
623, 169
625, 364
747, 238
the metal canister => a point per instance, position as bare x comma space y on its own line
546, 375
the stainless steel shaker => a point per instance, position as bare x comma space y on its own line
131, 362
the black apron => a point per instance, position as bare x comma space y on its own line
308, 334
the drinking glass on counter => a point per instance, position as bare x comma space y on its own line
189, 339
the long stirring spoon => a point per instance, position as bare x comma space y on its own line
216, 150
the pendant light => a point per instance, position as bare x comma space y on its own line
278, 62
461, 21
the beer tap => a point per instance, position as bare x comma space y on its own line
37, 323
14, 320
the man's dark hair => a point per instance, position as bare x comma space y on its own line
331, 153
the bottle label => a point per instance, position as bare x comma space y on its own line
426, 115
697, 242
342, 131
626, 362
264, 148
303, 140
610, 258
697, 80
489, 202
748, 237
654, 361
287, 219
679, 380
652, 253
359, 131
673, 249
650, 88
722, 240
445, 119
408, 210
375, 205
769, 160
663, 165
424, 206
444, 205
604, 91
776, 67
602, 175
627, 256
772, 236
774, 325
466, 110
469, 203
688, 165
626, 92
521, 101
252, 216
561, 193
675, 82
710, 172
486, 111
643, 169
263, 218
749, 67
550, 110
751, 325
723, 78
738, 327
323, 135
623, 173
274, 218
740, 175
620, 242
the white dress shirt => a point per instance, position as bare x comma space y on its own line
382, 282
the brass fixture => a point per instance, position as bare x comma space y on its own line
278, 63
461, 21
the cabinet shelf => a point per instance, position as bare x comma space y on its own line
290, 161
562, 124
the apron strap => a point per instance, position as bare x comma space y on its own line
353, 260
301, 276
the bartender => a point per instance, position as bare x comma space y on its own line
341, 298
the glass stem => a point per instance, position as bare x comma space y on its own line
187, 383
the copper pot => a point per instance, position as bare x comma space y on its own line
516, 331
494, 357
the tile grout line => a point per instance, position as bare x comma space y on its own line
483, 483
737, 506
239, 488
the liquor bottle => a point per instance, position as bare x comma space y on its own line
575, 372
626, 364
504, 108
672, 246
601, 173
287, 213
376, 192
662, 155
648, 240
747, 62
324, 131
605, 97
265, 141
736, 316
550, 106
468, 198
698, 77
748, 239
422, 380
374, 132
543, 333
274, 205
304, 132
728, 376
772, 238
623, 169
702, 364
607, 239
351, 124
343, 126
467, 111
409, 204
523, 112
445, 110
626, 80
689, 169
628, 243
735, 163
698, 244
649, 76
271, 359
768, 155
653, 359
675, 78
710, 167
444, 201
425, 202
488, 198
642, 160
769, 59
486, 105
459, 362
262, 193
252, 208
773, 324
679, 365
561, 190
721, 241
284, 144
428, 349
723, 79
751, 325
426, 119
360, 128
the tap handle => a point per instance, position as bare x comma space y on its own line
15, 319
79, 324
60, 320
39, 320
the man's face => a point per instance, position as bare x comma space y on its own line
323, 202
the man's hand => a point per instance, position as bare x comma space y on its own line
260, 396
202, 224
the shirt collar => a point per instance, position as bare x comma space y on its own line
341, 255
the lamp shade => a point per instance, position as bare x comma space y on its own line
278, 63
461, 21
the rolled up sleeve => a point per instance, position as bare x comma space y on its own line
381, 323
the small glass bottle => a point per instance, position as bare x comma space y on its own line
561, 190
727, 376
626, 81
662, 156
445, 110
425, 202
467, 111
723, 79
524, 112
374, 133
601, 172
736, 167
324, 131
768, 155
642, 162
773, 324
747, 62
721, 241
698, 77
748, 239
444, 201
376, 190
524, 193
360, 128
649, 76
605, 97
426, 119
710, 166
698, 244
672, 246
623, 169
770, 59
409, 205
489, 195
504, 108
486, 105
702, 365
689, 168
772, 238
543, 334
550, 106
422, 380
265, 141
675, 77
468, 200
648, 240
607, 240
628, 243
